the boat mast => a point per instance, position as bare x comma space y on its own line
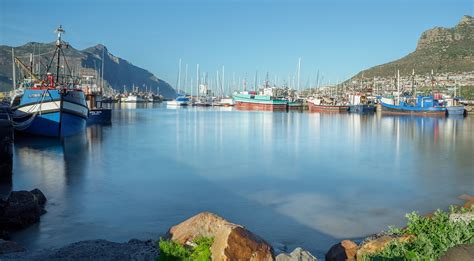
197, 79
185, 79
59, 31
102, 72
222, 83
13, 69
398, 85
255, 81
413, 90
299, 72
179, 76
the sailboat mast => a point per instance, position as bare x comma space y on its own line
186, 78
197, 78
178, 82
299, 72
13, 69
222, 83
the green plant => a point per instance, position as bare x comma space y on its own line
172, 251
433, 236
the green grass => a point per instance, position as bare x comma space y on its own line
172, 251
433, 237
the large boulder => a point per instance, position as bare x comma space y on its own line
459, 253
21, 209
231, 241
377, 243
345, 250
298, 254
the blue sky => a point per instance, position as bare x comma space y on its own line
338, 38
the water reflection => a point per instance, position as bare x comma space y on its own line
317, 177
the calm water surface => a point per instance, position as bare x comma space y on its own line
296, 179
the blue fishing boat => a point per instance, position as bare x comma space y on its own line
52, 106
422, 105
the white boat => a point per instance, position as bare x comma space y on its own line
180, 101
133, 98
227, 102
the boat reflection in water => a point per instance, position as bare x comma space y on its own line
303, 171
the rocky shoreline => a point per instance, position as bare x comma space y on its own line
230, 241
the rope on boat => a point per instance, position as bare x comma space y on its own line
25, 124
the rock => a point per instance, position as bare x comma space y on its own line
39, 196
468, 200
10, 247
345, 250
459, 253
231, 241
21, 209
298, 254
94, 250
378, 243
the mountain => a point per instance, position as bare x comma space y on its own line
117, 71
439, 49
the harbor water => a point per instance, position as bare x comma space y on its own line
295, 179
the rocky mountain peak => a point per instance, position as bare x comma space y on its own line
466, 20
444, 37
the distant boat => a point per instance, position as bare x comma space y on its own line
326, 105
296, 104
52, 106
422, 105
133, 98
226, 102
453, 107
179, 101
360, 104
252, 101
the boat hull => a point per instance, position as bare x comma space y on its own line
327, 108
51, 113
361, 108
407, 110
456, 110
259, 102
99, 115
260, 106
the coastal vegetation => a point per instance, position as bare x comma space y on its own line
432, 235
172, 251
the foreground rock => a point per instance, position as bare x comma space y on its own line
298, 254
459, 253
7, 247
345, 250
231, 241
20, 209
135, 250
378, 242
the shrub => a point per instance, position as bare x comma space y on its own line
172, 251
433, 237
